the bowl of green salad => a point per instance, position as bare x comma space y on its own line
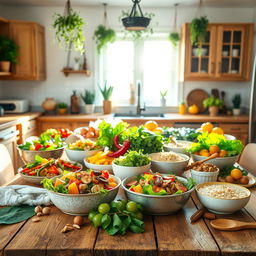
130, 164
159, 194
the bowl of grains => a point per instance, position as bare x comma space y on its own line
168, 162
221, 197
205, 172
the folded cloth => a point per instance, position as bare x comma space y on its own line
22, 194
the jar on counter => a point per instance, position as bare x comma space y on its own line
182, 108
74, 103
49, 104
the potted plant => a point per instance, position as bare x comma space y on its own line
106, 92
174, 37
8, 53
88, 98
163, 99
236, 100
198, 31
77, 64
103, 36
69, 29
213, 104
62, 108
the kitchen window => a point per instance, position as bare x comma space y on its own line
153, 61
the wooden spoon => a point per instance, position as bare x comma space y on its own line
201, 161
229, 225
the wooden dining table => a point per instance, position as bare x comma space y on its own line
171, 235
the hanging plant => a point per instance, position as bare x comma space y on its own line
174, 36
138, 34
103, 36
69, 29
198, 30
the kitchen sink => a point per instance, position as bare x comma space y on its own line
143, 115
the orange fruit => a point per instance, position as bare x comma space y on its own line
204, 152
207, 127
151, 125
158, 130
218, 130
236, 174
193, 109
223, 153
214, 149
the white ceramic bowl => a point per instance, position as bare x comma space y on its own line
201, 177
229, 137
158, 205
181, 150
81, 204
220, 162
222, 206
126, 171
79, 155
98, 167
176, 168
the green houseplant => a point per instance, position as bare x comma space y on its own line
106, 92
103, 36
69, 29
174, 37
236, 100
213, 104
88, 98
62, 108
8, 53
163, 99
198, 31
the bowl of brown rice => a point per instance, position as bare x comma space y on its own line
222, 197
169, 162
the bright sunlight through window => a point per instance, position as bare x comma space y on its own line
153, 61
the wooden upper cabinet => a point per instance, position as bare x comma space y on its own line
225, 55
30, 38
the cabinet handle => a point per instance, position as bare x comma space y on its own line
219, 68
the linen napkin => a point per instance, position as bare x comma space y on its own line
22, 194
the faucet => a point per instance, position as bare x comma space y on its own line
139, 108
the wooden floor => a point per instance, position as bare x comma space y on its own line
171, 235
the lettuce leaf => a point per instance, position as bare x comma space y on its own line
148, 189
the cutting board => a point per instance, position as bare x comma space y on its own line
196, 97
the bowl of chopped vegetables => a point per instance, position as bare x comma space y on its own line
78, 193
169, 162
228, 150
80, 149
132, 163
50, 144
159, 194
42, 168
99, 161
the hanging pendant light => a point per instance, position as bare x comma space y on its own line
135, 22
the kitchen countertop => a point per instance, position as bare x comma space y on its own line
172, 117
13, 119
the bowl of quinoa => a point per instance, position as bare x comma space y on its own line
221, 197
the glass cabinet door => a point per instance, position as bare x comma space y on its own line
230, 48
200, 58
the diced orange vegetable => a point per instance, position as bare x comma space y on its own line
70, 176
138, 189
73, 189
112, 184
58, 182
111, 179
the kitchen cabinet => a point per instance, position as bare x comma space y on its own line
9, 138
30, 38
27, 128
225, 55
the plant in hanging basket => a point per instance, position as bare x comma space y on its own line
198, 30
103, 36
69, 29
138, 34
174, 37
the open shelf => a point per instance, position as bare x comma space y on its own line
71, 71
